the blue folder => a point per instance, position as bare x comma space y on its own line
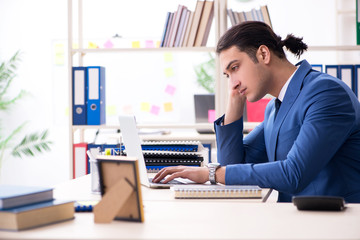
79, 95
96, 95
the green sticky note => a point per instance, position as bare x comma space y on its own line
169, 72
168, 57
111, 110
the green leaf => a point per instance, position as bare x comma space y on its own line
205, 73
32, 144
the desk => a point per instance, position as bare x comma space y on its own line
168, 218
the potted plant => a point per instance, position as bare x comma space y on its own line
32, 143
205, 103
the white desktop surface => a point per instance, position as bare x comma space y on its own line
169, 218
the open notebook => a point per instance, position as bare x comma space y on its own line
217, 191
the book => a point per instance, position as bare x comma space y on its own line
216, 191
165, 29
358, 22
175, 25
261, 14
265, 14
36, 215
183, 26
188, 27
168, 30
15, 195
205, 24
195, 22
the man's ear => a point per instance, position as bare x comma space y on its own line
263, 54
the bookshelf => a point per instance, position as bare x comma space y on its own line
75, 22
220, 23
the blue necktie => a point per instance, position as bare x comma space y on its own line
277, 106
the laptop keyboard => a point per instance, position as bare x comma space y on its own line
172, 182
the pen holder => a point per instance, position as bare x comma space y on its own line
95, 180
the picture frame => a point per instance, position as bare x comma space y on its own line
120, 190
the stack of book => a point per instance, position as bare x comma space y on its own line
24, 207
261, 15
185, 28
160, 154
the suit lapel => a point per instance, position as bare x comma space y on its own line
291, 95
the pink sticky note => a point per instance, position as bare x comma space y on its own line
211, 116
170, 89
149, 44
155, 110
108, 44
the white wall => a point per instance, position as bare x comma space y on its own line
36, 26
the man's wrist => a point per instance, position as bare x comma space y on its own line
212, 172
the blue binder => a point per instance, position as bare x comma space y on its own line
317, 67
96, 95
79, 95
346, 74
356, 80
332, 70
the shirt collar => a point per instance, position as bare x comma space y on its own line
284, 88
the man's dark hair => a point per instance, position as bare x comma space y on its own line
249, 36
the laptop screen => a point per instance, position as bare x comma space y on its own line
132, 144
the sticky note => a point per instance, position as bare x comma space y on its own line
128, 109
75, 46
149, 44
169, 72
170, 89
67, 111
155, 110
168, 107
135, 44
108, 44
59, 54
111, 110
157, 44
145, 107
92, 45
168, 57
211, 116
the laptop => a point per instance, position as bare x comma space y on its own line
203, 103
132, 144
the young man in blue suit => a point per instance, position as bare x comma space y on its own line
309, 141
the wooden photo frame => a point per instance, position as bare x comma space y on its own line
120, 189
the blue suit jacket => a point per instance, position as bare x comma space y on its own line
312, 148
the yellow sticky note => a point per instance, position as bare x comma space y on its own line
67, 111
135, 44
59, 54
157, 44
169, 72
168, 107
111, 110
168, 57
145, 107
75, 46
92, 45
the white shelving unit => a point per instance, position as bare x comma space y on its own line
221, 92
